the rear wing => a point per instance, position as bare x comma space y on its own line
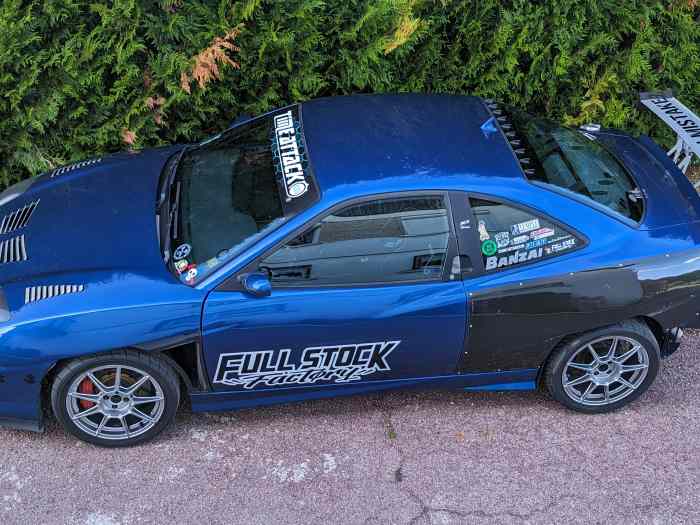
680, 119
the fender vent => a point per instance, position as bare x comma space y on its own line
37, 293
66, 169
13, 250
18, 218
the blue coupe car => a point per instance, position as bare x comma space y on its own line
342, 246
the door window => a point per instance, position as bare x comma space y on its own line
385, 240
511, 236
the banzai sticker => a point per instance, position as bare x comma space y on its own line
524, 227
182, 251
518, 257
293, 177
502, 239
483, 233
338, 363
489, 247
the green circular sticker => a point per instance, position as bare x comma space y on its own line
489, 247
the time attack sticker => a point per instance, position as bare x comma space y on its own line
337, 363
286, 142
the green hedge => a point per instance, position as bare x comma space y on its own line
78, 78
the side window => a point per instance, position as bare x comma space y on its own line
387, 240
509, 236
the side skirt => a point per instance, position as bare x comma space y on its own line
523, 379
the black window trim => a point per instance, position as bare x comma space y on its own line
481, 270
233, 282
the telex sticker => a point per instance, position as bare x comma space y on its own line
338, 363
524, 227
561, 246
295, 184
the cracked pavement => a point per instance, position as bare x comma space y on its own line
403, 457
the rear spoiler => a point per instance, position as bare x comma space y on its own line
680, 119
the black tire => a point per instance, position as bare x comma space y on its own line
630, 331
163, 377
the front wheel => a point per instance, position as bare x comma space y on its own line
604, 370
117, 399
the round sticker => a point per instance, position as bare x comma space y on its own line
298, 188
489, 247
182, 251
191, 274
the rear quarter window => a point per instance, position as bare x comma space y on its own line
510, 236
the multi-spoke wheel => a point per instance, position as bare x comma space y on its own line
117, 399
605, 369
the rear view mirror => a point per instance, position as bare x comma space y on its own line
256, 284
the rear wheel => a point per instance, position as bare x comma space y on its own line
118, 399
605, 369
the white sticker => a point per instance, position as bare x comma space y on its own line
182, 251
520, 239
518, 257
337, 363
524, 227
483, 232
294, 180
541, 233
502, 239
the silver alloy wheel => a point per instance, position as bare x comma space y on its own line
605, 371
124, 403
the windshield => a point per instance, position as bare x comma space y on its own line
233, 189
574, 160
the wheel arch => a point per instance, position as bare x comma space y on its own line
660, 334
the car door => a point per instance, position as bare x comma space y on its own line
522, 295
366, 293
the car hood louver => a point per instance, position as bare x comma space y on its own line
13, 250
46, 291
18, 219
66, 169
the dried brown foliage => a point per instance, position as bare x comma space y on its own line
205, 67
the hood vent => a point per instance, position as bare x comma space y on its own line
66, 169
18, 218
37, 293
13, 250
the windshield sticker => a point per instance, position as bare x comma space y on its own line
502, 239
518, 257
524, 227
520, 239
182, 251
339, 364
288, 154
483, 232
489, 247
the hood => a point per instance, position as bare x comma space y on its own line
92, 216
671, 197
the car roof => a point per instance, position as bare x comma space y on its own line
368, 144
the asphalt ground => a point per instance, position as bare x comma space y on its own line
439, 457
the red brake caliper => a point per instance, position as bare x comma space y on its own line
86, 387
